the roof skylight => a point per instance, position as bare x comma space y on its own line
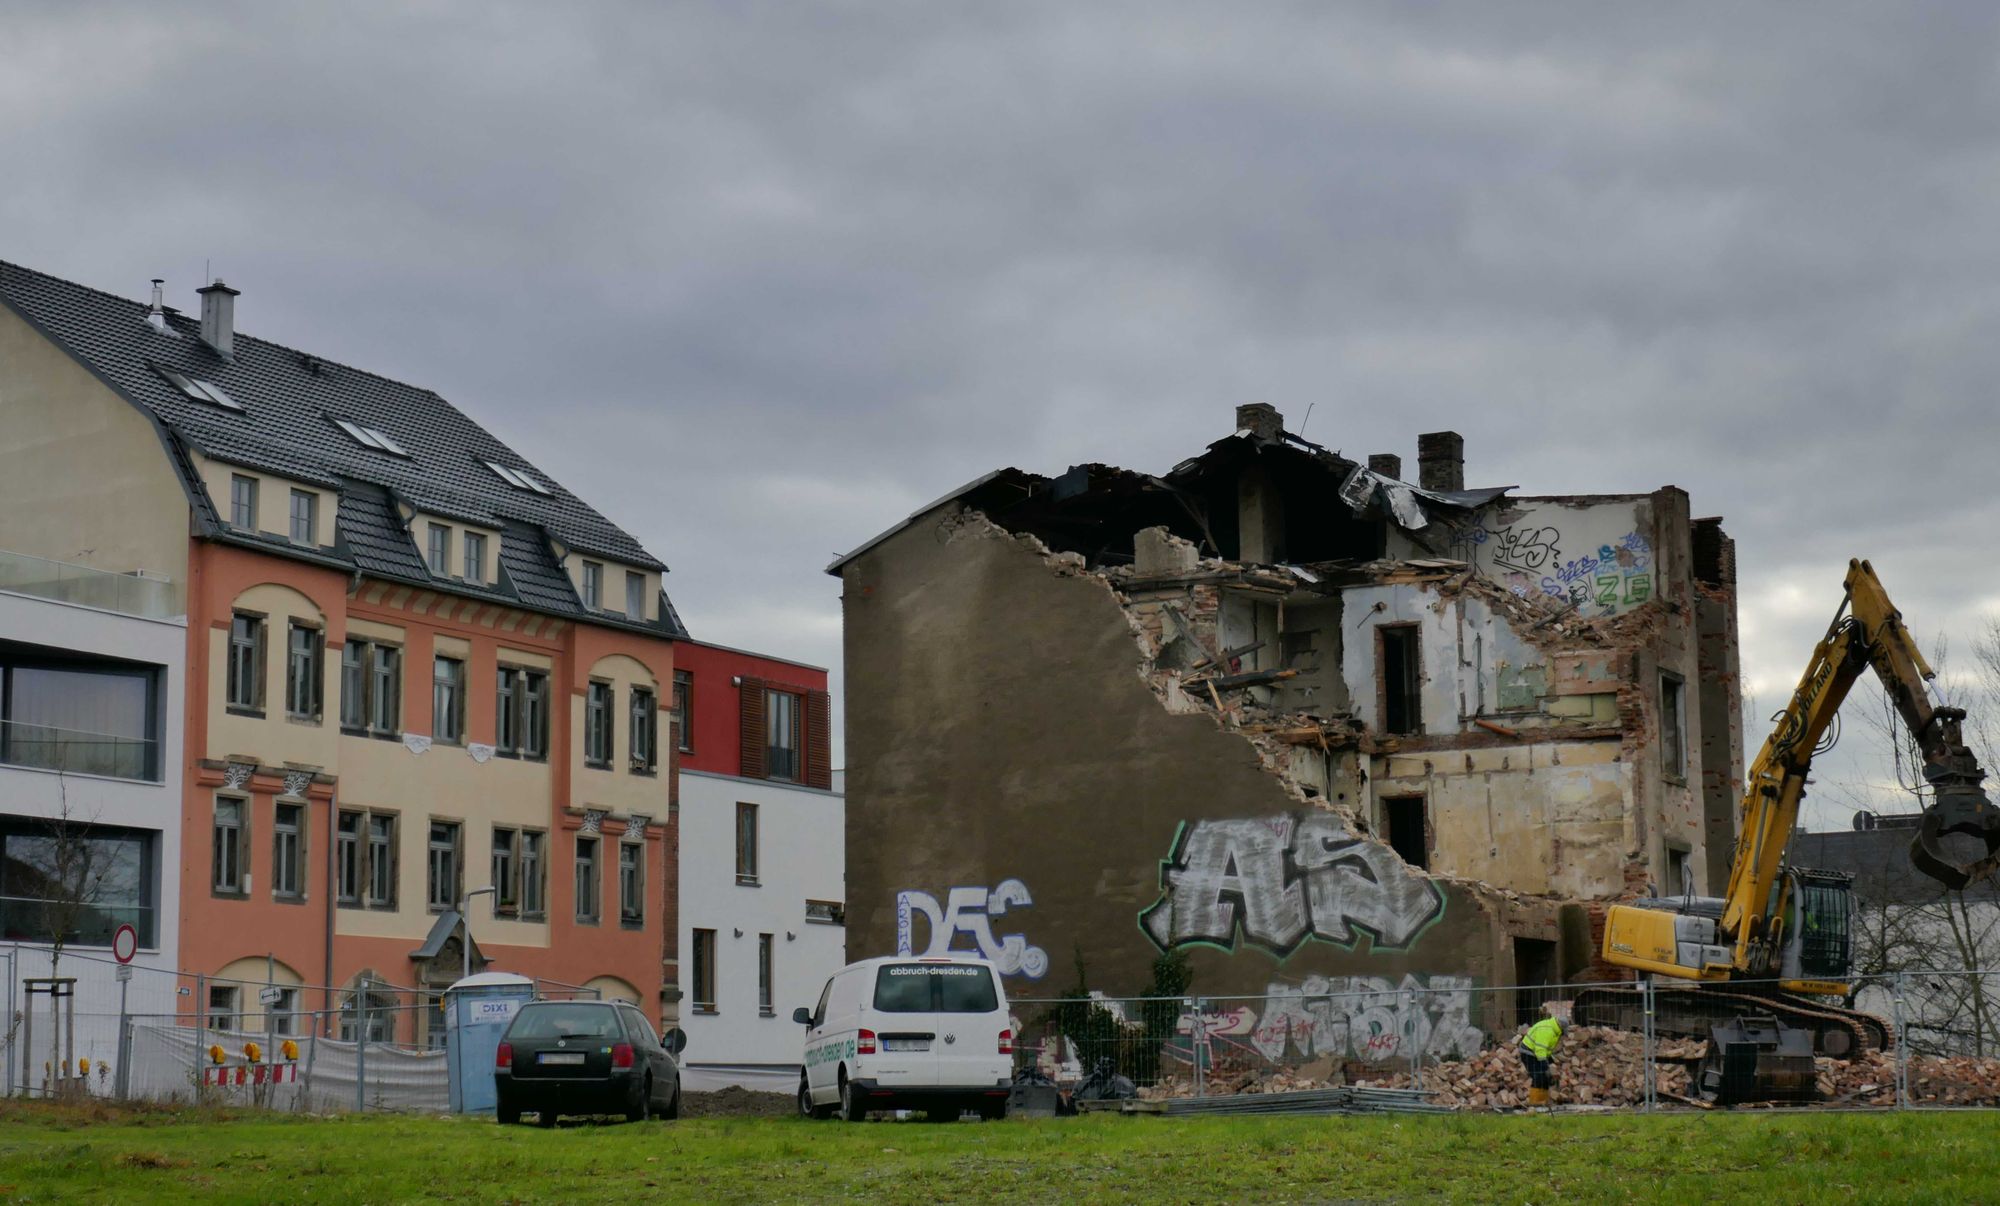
520, 479
199, 390
371, 438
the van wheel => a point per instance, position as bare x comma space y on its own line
851, 1108
807, 1107
993, 1112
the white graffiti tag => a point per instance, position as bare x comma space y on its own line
970, 911
1368, 1018
1280, 880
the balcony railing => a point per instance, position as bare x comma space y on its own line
45, 747
151, 598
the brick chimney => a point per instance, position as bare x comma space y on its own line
1386, 464
1261, 419
218, 318
1441, 460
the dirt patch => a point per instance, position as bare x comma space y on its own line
736, 1102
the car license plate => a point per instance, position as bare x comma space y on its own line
906, 1044
554, 1057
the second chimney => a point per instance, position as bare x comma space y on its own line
1260, 419
1441, 460
1386, 464
218, 318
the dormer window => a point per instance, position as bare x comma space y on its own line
440, 549
635, 595
593, 585
200, 391
369, 437
475, 557
517, 478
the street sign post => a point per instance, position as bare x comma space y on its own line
124, 945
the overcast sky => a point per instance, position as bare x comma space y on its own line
759, 279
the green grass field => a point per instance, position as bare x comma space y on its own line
49, 1155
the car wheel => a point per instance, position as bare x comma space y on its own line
507, 1113
673, 1109
545, 1118
851, 1108
642, 1108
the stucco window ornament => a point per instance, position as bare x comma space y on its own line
296, 783
416, 743
480, 752
635, 824
236, 774
593, 820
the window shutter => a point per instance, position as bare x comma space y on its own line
819, 741
257, 695
751, 735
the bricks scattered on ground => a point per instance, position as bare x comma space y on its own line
1603, 1067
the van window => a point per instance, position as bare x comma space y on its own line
564, 1021
935, 988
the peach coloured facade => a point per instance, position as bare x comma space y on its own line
263, 759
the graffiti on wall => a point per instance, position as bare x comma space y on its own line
970, 912
1276, 881
1532, 558
1368, 1018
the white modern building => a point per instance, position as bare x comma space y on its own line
762, 856
91, 687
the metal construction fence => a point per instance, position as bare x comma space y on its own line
1908, 1039
167, 1036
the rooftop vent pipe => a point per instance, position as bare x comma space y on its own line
156, 317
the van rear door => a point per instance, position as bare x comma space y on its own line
970, 1018
903, 1014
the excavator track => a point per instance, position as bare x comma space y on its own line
1690, 1012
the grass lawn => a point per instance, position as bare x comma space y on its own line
98, 1155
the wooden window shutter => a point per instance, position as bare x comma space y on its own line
818, 741
750, 730
319, 673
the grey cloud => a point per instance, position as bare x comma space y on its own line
759, 278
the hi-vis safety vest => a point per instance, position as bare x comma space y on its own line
1542, 1038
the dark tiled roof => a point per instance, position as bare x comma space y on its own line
289, 401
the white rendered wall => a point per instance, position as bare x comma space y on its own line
102, 801
801, 857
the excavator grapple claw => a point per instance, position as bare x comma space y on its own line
1964, 811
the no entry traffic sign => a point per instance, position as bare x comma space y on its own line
124, 944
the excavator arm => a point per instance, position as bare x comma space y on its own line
1959, 804
1867, 632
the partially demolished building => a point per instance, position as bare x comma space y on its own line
1311, 722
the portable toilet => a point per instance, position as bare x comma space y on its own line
477, 1011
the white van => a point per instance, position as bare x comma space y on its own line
928, 1033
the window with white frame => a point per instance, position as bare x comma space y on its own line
448, 700
586, 880
243, 502
475, 557
305, 517
226, 849
439, 549
632, 884
288, 856
304, 649
593, 585
597, 724
645, 730
246, 661
442, 872
635, 594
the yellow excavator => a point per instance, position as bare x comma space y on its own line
1761, 971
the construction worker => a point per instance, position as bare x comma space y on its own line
1538, 1047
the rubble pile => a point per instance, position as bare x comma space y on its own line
1603, 1067
1934, 1080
